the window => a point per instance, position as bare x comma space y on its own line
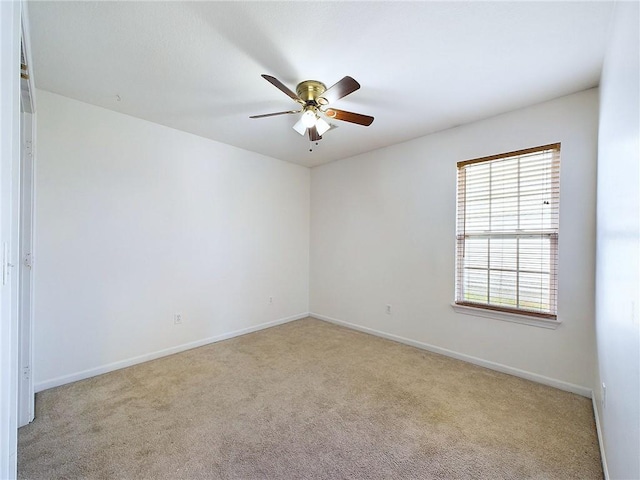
507, 232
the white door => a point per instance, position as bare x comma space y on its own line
9, 232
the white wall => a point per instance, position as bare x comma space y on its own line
618, 245
383, 232
136, 222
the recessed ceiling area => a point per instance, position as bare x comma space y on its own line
422, 66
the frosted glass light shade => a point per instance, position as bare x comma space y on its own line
308, 118
299, 127
322, 126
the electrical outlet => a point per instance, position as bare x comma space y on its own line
270, 300
388, 309
177, 318
604, 395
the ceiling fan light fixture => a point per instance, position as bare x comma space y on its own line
309, 118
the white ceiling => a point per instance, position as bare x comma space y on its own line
423, 66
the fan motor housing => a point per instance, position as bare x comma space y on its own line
310, 90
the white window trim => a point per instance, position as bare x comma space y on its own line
523, 319
515, 315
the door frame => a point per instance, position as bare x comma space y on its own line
26, 393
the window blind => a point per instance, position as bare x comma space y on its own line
507, 231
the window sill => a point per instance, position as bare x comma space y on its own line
507, 317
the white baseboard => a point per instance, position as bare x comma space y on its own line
603, 456
92, 372
552, 382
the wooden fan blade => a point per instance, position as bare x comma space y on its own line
341, 89
274, 114
358, 118
281, 86
313, 134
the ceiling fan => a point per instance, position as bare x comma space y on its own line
314, 98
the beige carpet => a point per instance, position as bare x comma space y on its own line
308, 400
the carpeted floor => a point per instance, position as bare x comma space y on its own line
308, 399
